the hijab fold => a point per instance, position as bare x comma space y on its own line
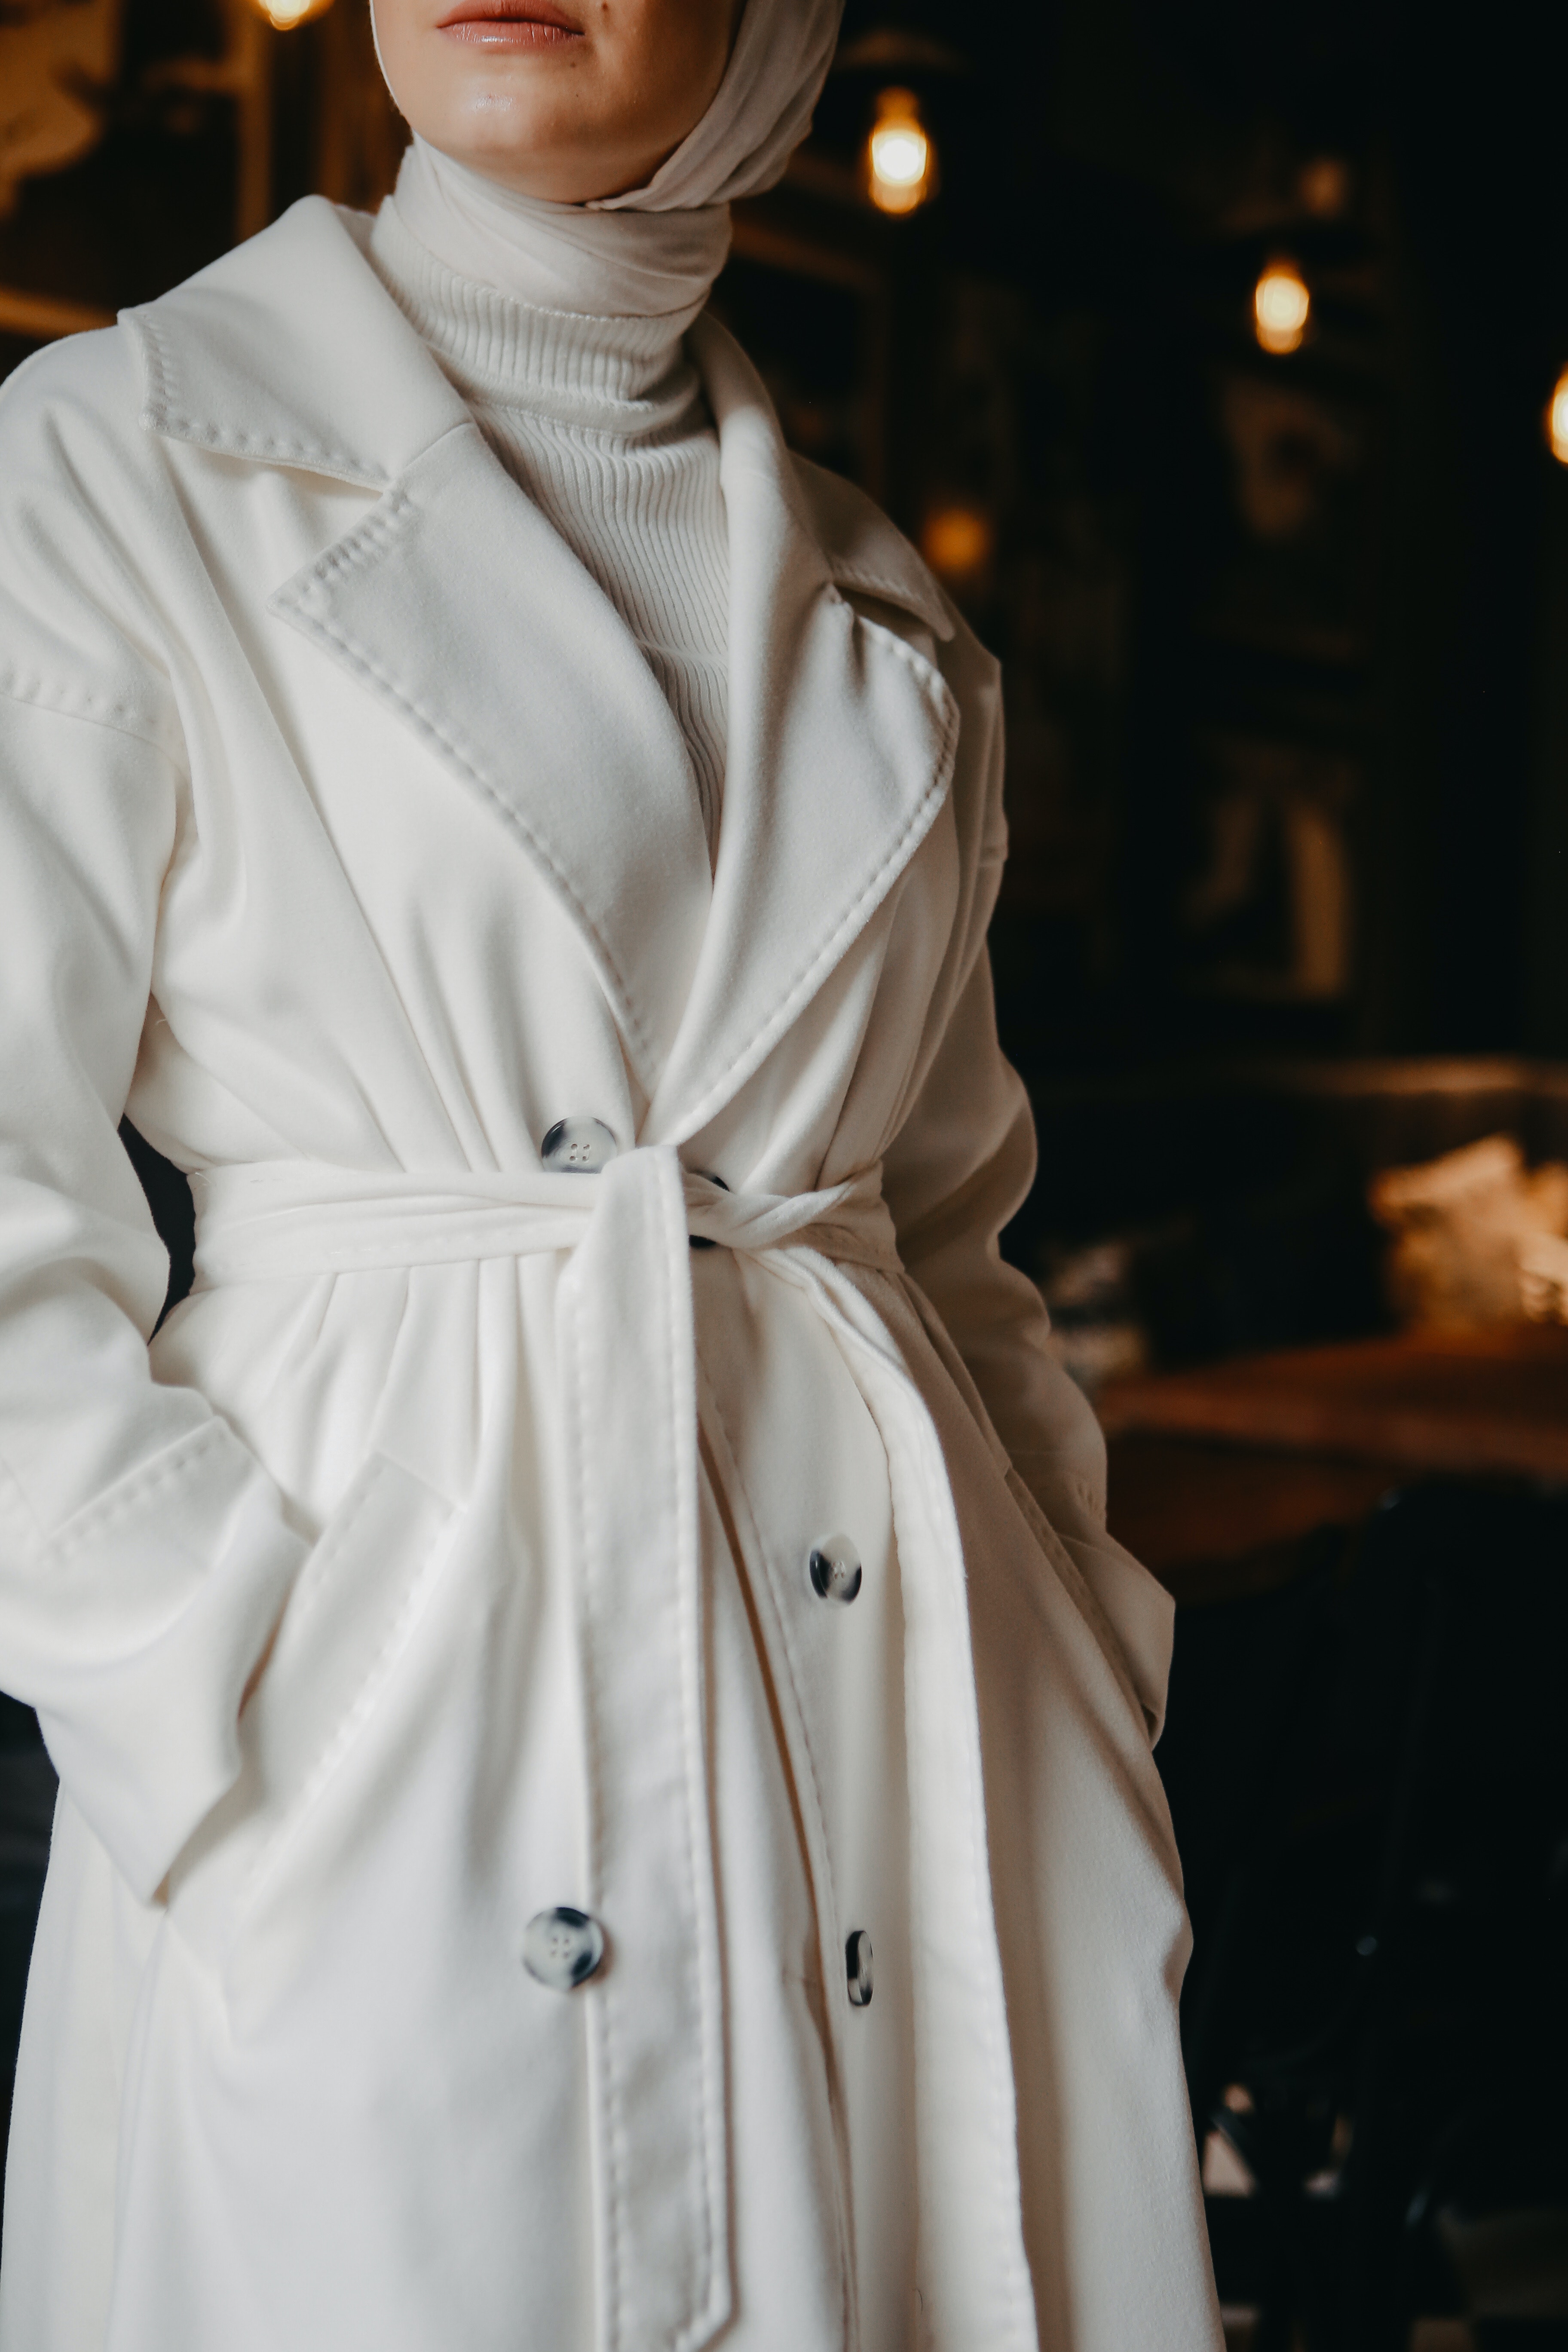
655, 251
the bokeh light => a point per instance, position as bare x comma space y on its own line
1281, 307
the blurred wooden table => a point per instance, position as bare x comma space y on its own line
1218, 1475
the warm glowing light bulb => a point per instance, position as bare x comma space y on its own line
1281, 307
901, 168
284, 14
1557, 420
957, 541
898, 155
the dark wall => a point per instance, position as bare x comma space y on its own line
1116, 171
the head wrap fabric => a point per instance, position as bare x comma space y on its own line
655, 251
761, 111
562, 256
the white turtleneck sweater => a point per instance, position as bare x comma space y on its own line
602, 422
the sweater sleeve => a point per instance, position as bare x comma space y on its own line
959, 1168
145, 1554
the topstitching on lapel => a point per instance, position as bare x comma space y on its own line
841, 747
288, 350
452, 600
458, 606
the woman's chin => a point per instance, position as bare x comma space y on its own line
533, 137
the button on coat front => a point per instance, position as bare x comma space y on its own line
858, 1963
563, 1948
834, 1570
578, 1147
316, 859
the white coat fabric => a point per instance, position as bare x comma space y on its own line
444, 1558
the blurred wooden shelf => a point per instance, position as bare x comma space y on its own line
1219, 1476
1473, 1404
1217, 1522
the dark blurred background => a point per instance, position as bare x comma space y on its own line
1212, 372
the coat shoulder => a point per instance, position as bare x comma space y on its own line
85, 515
83, 387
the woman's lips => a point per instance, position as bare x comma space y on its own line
512, 25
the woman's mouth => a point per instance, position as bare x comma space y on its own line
512, 25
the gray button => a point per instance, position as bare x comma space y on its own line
563, 1948
835, 1569
578, 1147
702, 1241
858, 1960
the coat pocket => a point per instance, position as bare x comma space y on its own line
1129, 1611
347, 1622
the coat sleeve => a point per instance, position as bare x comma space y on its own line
144, 1555
959, 1168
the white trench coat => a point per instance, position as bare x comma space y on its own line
348, 845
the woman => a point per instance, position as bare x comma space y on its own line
605, 1749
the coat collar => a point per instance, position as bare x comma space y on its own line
349, 391
289, 351
841, 747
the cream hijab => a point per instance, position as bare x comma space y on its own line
655, 251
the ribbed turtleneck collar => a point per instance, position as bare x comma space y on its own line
625, 374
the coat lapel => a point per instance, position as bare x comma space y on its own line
458, 606
455, 602
841, 746
452, 600
290, 351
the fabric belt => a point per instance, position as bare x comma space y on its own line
625, 1338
